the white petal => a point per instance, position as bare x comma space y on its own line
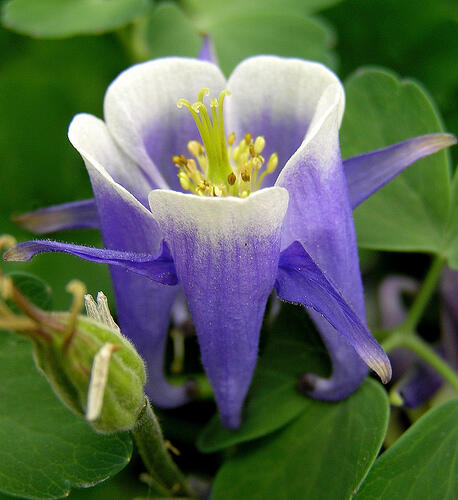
219, 220
141, 111
90, 136
125, 222
277, 98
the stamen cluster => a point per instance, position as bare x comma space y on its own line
216, 167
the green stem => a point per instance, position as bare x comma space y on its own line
423, 350
152, 449
423, 296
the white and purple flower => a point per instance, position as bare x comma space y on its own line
235, 223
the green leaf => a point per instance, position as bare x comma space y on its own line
283, 34
421, 464
242, 29
124, 485
323, 454
292, 349
237, 33
207, 11
63, 18
37, 290
44, 449
411, 212
169, 32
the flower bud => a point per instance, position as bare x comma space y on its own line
70, 367
93, 369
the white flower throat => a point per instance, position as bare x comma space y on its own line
218, 167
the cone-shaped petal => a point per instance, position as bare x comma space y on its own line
276, 98
141, 112
226, 254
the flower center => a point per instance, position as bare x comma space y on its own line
220, 167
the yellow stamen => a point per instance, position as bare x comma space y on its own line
220, 167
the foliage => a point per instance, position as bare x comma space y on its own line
58, 57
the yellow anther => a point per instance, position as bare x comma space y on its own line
231, 139
248, 138
257, 162
272, 163
231, 178
214, 102
259, 144
184, 181
195, 148
191, 166
245, 174
180, 160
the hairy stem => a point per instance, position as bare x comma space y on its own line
152, 449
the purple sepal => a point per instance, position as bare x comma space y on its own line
207, 51
366, 173
76, 215
420, 385
158, 267
301, 281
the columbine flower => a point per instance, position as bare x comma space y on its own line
262, 200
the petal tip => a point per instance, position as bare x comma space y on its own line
16, 254
231, 422
440, 141
382, 368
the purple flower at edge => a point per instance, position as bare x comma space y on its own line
415, 380
227, 253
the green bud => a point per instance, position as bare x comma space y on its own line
93, 369
68, 365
